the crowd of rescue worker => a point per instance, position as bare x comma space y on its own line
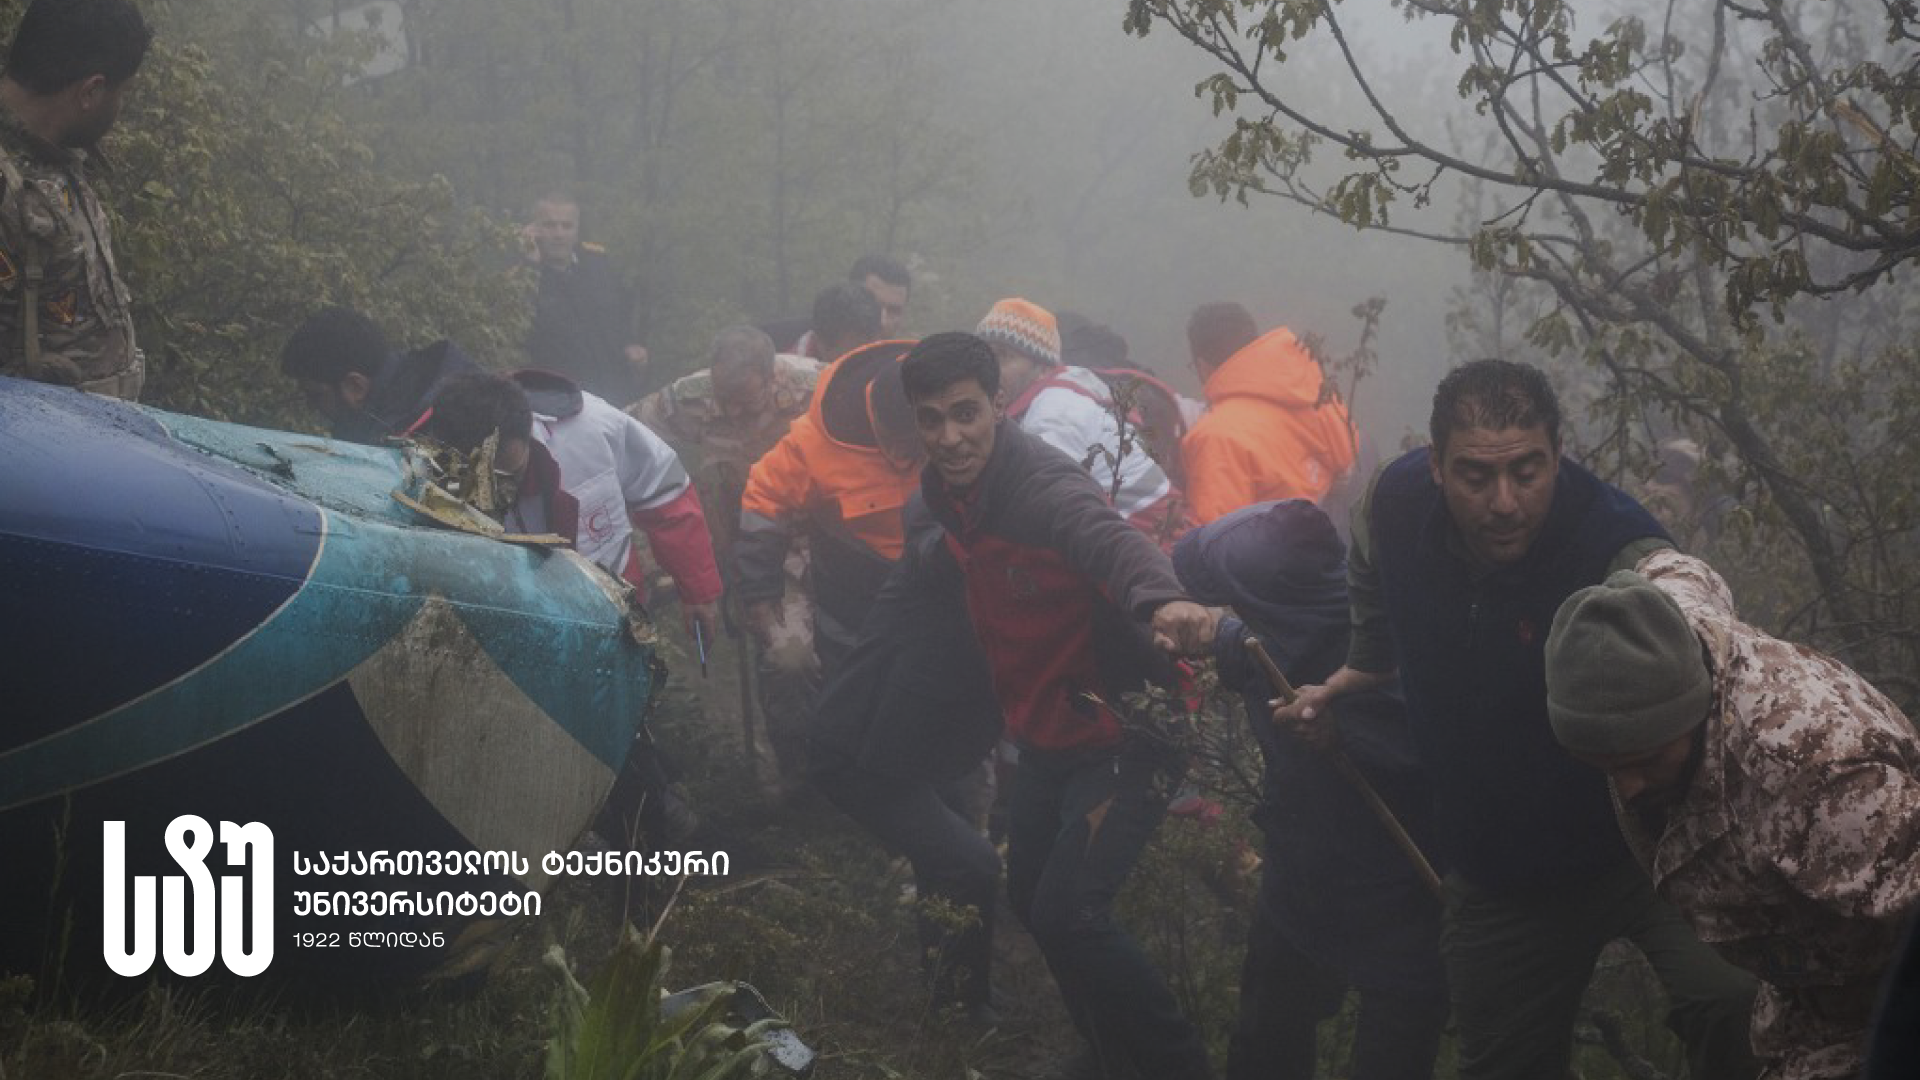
1504, 719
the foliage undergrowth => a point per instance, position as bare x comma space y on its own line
813, 915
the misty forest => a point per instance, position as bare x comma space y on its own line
1699, 218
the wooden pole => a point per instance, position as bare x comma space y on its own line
1344, 766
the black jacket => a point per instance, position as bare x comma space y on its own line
1514, 810
914, 700
403, 394
582, 325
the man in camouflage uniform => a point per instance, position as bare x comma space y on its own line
64, 312
1773, 794
721, 420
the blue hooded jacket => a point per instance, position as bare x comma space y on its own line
1333, 880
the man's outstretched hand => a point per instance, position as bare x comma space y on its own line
1183, 628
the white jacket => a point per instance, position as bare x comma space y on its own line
614, 466
1073, 412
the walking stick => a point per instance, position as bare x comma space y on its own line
743, 647
743, 661
1344, 766
729, 487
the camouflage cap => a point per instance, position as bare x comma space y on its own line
1625, 673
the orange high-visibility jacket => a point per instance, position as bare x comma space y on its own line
1265, 434
831, 479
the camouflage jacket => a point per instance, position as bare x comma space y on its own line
686, 415
1795, 850
52, 224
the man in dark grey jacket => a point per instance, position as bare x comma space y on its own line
1068, 602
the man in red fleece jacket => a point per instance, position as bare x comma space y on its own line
1068, 602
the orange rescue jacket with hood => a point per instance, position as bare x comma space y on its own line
1265, 434
841, 476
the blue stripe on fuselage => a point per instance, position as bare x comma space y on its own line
540, 616
128, 559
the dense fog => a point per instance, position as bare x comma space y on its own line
738, 156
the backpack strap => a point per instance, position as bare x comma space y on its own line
1037, 387
1132, 376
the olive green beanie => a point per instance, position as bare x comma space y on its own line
1624, 670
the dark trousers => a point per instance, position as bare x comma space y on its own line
1517, 964
1284, 996
938, 831
783, 696
1895, 1051
1075, 829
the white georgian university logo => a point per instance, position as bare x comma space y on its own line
189, 841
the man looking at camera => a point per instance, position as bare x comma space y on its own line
1068, 602
1461, 554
